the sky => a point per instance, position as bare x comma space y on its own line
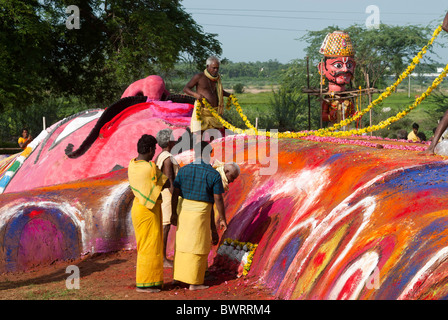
261, 30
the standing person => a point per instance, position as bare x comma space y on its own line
200, 186
25, 139
209, 86
169, 166
147, 182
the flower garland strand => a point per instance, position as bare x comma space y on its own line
246, 247
231, 100
329, 131
252, 130
198, 113
383, 124
238, 108
224, 122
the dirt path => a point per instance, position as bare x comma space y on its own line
111, 276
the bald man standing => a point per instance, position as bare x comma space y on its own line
209, 86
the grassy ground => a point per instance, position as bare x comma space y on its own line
256, 101
254, 104
111, 276
426, 114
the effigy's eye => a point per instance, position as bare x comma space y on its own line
337, 65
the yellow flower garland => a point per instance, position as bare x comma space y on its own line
238, 108
198, 113
329, 131
222, 121
252, 130
250, 246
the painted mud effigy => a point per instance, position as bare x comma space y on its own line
65, 221
332, 221
337, 67
345, 222
59, 196
329, 220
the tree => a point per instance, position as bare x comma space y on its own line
290, 104
440, 100
24, 44
118, 42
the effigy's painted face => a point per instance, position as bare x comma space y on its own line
338, 70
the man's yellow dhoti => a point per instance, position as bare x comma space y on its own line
208, 121
148, 234
193, 241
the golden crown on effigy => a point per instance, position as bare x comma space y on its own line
337, 44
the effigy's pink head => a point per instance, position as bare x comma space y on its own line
338, 65
152, 87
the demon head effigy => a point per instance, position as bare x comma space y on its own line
337, 67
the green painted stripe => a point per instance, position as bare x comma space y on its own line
147, 198
144, 197
14, 166
149, 284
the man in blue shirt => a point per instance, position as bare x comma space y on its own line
197, 187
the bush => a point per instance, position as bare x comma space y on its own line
175, 87
238, 88
290, 110
52, 108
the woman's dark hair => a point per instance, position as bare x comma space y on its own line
146, 143
421, 135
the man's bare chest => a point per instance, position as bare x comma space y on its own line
207, 84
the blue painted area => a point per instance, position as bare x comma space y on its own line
284, 260
416, 179
423, 246
4, 181
335, 157
61, 221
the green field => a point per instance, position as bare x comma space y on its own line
426, 114
256, 101
256, 104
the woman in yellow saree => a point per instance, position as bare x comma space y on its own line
147, 182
